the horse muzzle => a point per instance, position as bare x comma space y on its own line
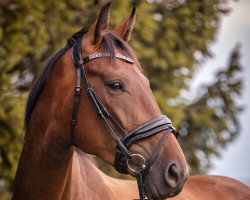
165, 182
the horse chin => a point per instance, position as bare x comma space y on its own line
157, 189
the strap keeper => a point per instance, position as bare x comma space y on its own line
78, 63
73, 121
105, 112
100, 114
77, 89
90, 91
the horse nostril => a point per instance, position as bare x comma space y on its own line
172, 176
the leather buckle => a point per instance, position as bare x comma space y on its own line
77, 89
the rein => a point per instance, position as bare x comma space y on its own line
123, 155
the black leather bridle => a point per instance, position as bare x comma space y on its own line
147, 129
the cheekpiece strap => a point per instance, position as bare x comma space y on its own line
76, 56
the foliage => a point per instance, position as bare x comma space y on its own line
211, 120
171, 38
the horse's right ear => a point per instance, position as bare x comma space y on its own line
99, 28
124, 30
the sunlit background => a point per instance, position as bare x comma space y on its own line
235, 28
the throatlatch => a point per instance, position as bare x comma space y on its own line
147, 129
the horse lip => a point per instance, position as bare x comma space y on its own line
152, 191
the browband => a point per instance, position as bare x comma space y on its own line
99, 55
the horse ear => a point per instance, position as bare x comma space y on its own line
98, 29
125, 28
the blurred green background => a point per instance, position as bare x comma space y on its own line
172, 39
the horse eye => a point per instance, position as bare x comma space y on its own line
115, 86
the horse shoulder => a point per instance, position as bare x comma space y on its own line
122, 189
88, 182
214, 187
86, 179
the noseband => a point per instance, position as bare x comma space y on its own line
147, 129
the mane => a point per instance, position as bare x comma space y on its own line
109, 42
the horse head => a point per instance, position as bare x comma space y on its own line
131, 121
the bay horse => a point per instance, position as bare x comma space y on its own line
102, 105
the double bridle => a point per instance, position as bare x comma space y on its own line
147, 129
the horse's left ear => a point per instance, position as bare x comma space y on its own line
125, 28
98, 29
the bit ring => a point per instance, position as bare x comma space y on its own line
143, 166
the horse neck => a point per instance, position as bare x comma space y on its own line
45, 164
45, 173
44, 167
47, 170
